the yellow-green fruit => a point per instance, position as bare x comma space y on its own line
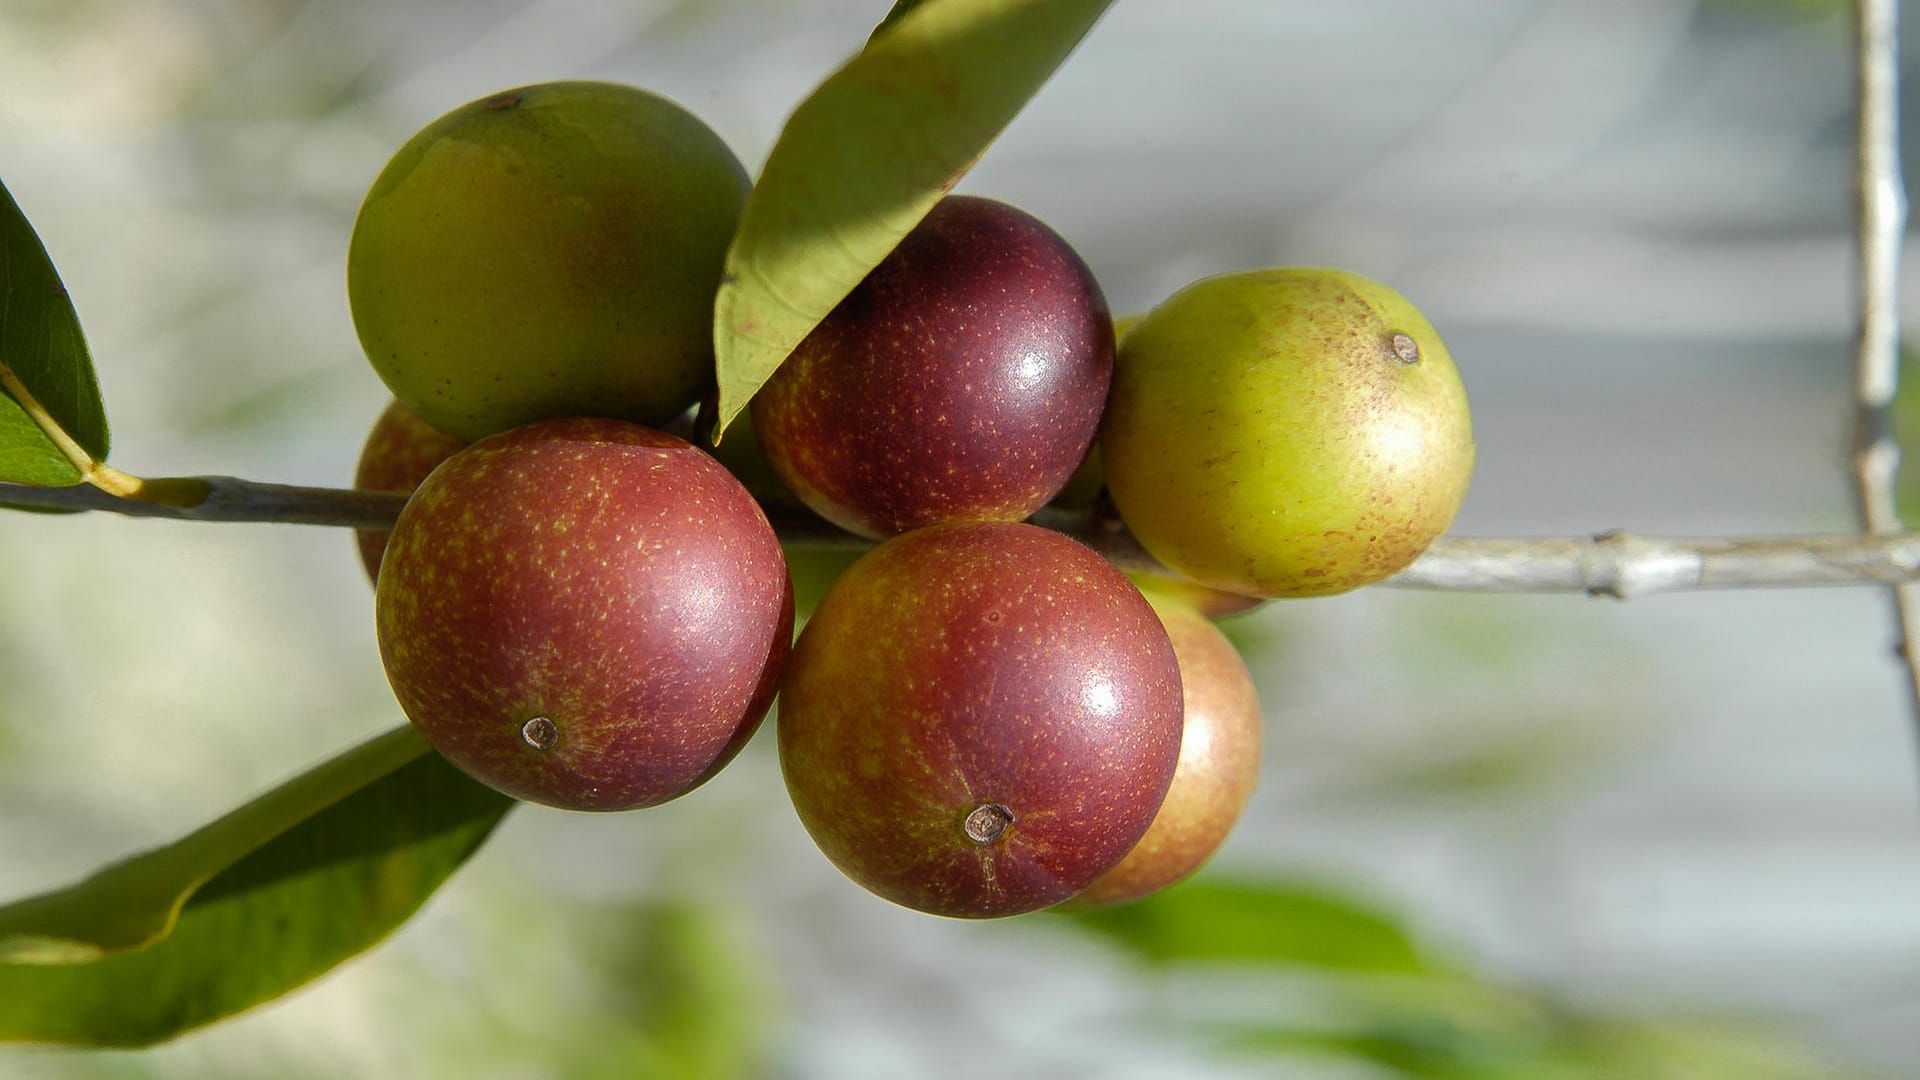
547, 251
1286, 432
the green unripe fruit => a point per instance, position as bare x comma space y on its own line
548, 251
1287, 432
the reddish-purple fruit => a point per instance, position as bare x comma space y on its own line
1219, 761
584, 613
980, 719
963, 380
399, 453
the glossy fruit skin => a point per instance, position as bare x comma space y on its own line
548, 251
401, 449
1286, 432
1212, 603
979, 668
962, 380
610, 579
1220, 749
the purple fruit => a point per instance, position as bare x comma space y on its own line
963, 380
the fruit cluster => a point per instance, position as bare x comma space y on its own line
981, 717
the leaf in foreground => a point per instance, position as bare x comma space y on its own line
864, 158
287, 887
40, 341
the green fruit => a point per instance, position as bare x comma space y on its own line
547, 251
1288, 432
980, 719
1219, 760
584, 613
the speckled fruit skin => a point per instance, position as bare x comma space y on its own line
401, 449
979, 665
1286, 432
610, 578
1219, 761
547, 251
963, 380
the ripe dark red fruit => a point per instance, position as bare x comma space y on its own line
980, 719
400, 451
963, 380
584, 613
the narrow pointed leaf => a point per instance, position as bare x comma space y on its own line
897, 12
254, 905
40, 341
864, 158
131, 904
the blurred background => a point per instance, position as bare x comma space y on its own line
1496, 836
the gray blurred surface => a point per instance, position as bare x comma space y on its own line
1628, 218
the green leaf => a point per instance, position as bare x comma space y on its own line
132, 904
40, 340
864, 158
1537, 1039
899, 9
1256, 922
246, 909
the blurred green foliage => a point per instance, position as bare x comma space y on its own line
258, 903
1255, 922
1363, 991
568, 989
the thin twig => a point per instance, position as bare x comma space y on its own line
1880, 227
1627, 565
227, 499
1618, 564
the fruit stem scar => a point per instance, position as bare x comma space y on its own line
1407, 349
505, 100
540, 733
986, 822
